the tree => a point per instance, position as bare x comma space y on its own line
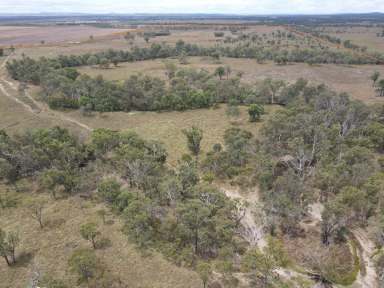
1, 52
104, 63
116, 60
220, 72
255, 111
260, 263
194, 216
89, 232
274, 87
36, 208
374, 77
194, 137
228, 71
109, 190
8, 244
204, 270
92, 60
218, 34
348, 208
380, 87
84, 263
3, 247
170, 69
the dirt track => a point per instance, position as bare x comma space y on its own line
32, 105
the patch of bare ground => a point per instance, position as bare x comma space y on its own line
367, 277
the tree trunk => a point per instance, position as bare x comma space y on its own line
7, 260
13, 256
196, 239
93, 243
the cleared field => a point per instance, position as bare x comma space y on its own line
16, 35
343, 78
47, 250
115, 40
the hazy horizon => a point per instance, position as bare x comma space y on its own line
240, 7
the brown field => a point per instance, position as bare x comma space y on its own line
342, 78
18, 35
47, 251
113, 38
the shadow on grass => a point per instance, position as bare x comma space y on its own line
23, 259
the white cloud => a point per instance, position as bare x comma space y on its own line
193, 6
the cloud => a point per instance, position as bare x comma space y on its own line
193, 6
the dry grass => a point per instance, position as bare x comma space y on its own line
167, 126
362, 36
161, 126
16, 119
342, 78
49, 249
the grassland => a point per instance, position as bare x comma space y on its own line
361, 36
47, 250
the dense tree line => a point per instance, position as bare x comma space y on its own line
184, 89
27, 69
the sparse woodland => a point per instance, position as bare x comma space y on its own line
316, 165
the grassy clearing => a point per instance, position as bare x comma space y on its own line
161, 126
49, 249
167, 126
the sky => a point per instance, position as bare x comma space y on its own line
193, 6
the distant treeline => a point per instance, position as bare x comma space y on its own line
244, 50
